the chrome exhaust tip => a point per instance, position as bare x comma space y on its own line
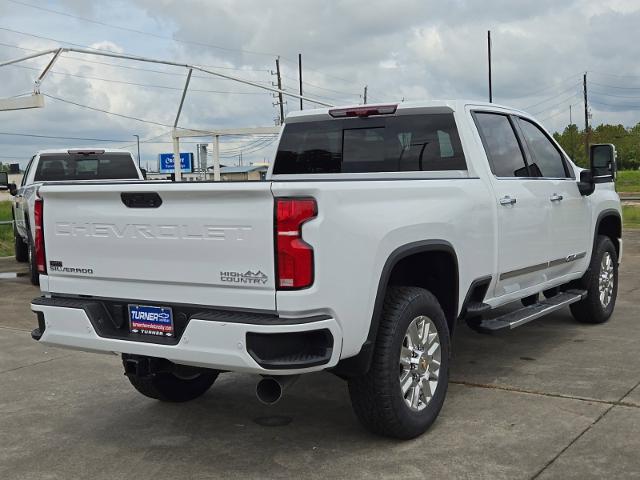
269, 390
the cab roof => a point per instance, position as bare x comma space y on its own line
426, 106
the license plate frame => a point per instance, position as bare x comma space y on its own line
151, 320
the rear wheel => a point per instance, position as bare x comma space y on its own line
176, 383
402, 393
601, 283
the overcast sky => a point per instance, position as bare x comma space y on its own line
401, 49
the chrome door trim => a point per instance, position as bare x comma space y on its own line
542, 266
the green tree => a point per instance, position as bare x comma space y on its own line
626, 141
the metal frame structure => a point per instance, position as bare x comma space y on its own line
37, 101
216, 134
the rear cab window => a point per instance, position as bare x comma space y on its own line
104, 166
501, 145
402, 143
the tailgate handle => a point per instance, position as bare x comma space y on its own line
141, 199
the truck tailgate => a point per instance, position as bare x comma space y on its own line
206, 243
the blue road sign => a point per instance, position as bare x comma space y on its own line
167, 166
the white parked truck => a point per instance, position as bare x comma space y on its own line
61, 165
377, 229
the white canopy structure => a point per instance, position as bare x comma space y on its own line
36, 99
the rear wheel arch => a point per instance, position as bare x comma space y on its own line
404, 266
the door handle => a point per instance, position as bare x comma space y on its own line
507, 200
556, 198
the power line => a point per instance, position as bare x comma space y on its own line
320, 96
58, 41
559, 112
295, 64
614, 75
557, 104
613, 86
553, 87
107, 112
148, 140
251, 150
141, 32
58, 137
613, 95
560, 93
309, 84
623, 107
250, 144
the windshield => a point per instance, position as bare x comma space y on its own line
106, 166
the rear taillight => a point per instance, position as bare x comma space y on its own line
38, 239
294, 257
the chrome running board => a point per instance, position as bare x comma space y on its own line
524, 315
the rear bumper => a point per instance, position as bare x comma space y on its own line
221, 340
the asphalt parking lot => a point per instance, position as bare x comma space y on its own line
552, 399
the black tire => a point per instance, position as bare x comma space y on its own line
377, 398
174, 387
33, 268
592, 309
20, 248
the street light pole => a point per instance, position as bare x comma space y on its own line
138, 142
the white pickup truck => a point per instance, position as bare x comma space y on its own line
377, 229
61, 165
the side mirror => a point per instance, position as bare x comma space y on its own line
144, 173
602, 158
585, 184
13, 189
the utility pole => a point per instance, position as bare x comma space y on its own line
365, 94
300, 76
138, 141
587, 130
280, 101
489, 59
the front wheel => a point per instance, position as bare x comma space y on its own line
601, 283
33, 268
21, 249
402, 393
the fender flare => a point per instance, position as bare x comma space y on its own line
360, 363
609, 212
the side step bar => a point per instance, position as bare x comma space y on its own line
524, 315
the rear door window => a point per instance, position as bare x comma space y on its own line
107, 166
377, 144
501, 145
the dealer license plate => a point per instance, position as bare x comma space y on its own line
148, 320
